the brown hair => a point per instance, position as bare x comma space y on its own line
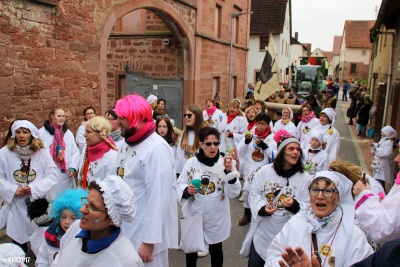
348, 169
34, 145
198, 124
53, 111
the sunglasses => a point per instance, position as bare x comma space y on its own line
211, 143
292, 148
188, 115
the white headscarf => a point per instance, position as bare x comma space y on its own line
318, 135
24, 124
118, 199
345, 211
290, 112
151, 99
389, 132
330, 112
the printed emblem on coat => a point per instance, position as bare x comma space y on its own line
209, 122
206, 186
257, 155
272, 192
189, 153
120, 172
21, 175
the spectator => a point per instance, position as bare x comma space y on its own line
88, 113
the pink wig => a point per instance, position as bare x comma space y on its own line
135, 109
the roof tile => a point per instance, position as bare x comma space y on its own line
357, 33
268, 16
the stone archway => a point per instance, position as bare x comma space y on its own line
181, 32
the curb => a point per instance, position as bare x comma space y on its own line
356, 143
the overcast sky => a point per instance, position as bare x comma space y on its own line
317, 21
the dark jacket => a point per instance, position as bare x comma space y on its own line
352, 110
363, 113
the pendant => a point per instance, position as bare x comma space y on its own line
325, 250
331, 260
307, 167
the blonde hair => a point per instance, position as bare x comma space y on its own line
34, 145
247, 111
103, 127
348, 169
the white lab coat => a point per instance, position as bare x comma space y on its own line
379, 219
318, 162
215, 205
238, 126
71, 156
266, 184
19, 226
182, 155
347, 247
149, 171
120, 253
80, 139
290, 127
331, 138
46, 255
304, 128
102, 167
216, 118
382, 164
252, 157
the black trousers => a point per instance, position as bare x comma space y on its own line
217, 256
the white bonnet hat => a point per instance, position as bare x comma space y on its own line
389, 131
315, 133
151, 99
27, 125
118, 199
330, 112
290, 111
344, 186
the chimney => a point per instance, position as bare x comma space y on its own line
296, 36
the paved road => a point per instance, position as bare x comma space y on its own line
349, 150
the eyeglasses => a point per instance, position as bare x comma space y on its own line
292, 148
89, 207
326, 192
188, 115
261, 123
211, 143
89, 113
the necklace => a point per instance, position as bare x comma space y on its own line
308, 162
326, 250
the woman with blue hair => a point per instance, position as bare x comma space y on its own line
64, 212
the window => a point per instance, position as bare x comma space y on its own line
282, 48
216, 81
364, 52
264, 41
236, 25
218, 21
234, 86
353, 68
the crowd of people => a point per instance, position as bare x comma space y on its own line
110, 195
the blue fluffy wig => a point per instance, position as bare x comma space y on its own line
69, 199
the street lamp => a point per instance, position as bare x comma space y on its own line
233, 16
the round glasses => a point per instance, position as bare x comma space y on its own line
326, 192
89, 207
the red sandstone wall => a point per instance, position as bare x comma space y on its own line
361, 71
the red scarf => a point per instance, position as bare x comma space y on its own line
309, 117
94, 153
251, 124
57, 149
231, 117
210, 111
262, 135
147, 129
97, 152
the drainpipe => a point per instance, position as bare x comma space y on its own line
389, 75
